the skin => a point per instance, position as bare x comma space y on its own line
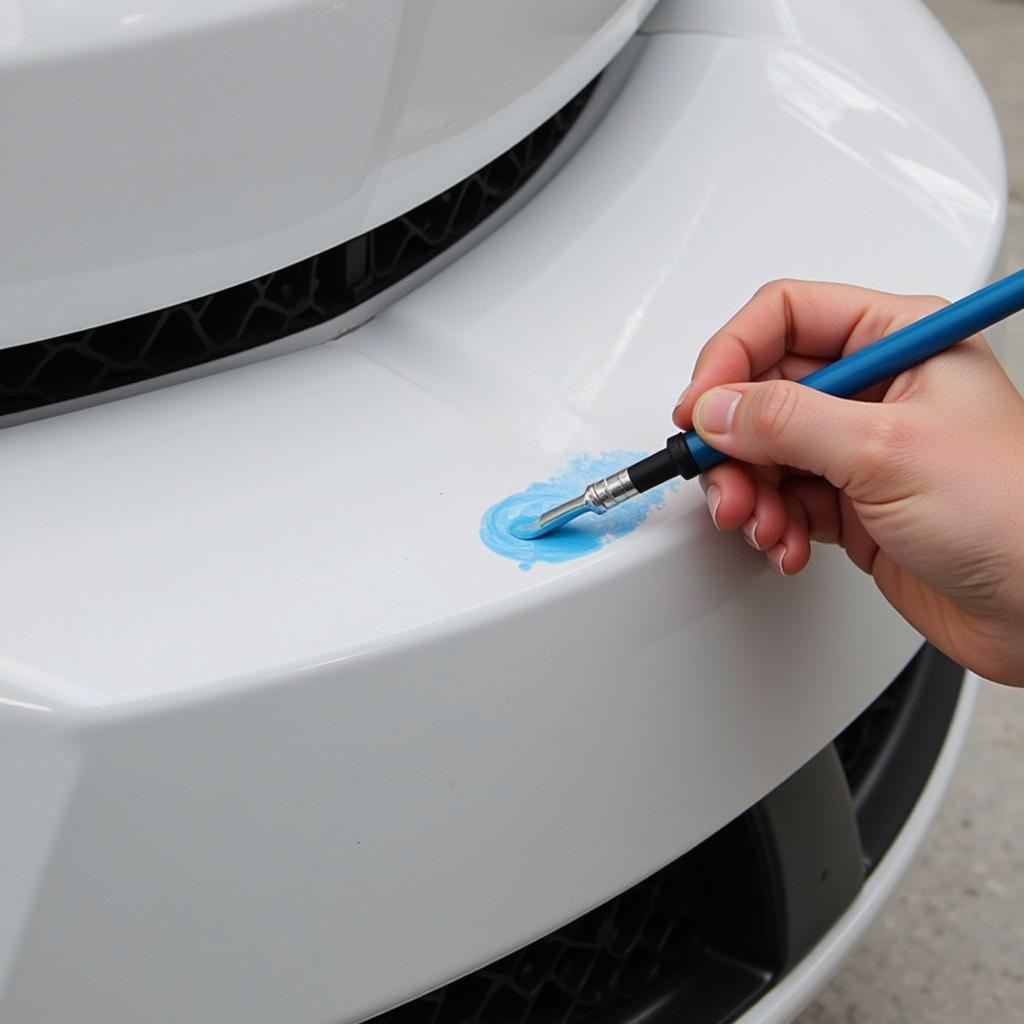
920, 480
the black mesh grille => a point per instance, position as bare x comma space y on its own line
600, 961
278, 304
701, 940
699, 934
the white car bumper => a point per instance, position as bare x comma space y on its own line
280, 739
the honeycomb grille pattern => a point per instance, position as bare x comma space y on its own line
277, 304
597, 963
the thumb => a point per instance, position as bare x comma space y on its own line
784, 423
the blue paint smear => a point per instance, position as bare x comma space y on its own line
583, 536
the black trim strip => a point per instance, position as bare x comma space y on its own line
809, 827
912, 721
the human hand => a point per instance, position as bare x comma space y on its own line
920, 480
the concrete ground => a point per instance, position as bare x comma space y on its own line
950, 945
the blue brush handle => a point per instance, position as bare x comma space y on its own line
900, 350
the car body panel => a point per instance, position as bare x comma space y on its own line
192, 146
281, 739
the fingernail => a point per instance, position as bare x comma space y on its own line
714, 495
715, 410
681, 398
749, 530
776, 557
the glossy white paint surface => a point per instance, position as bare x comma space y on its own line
280, 740
156, 153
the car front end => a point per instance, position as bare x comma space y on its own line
292, 293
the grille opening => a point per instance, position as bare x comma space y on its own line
889, 750
699, 931
699, 941
281, 303
860, 743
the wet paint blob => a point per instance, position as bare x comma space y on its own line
584, 535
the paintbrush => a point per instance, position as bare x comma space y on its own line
686, 455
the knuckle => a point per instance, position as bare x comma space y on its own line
914, 308
773, 409
919, 306
884, 444
774, 290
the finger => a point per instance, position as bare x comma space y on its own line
961, 374
831, 519
730, 495
766, 524
819, 502
792, 551
786, 424
794, 367
768, 474
824, 321
860, 546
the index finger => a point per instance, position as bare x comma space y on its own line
809, 319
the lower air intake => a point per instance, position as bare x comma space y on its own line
699, 941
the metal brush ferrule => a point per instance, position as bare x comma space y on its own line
609, 492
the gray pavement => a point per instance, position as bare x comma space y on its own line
949, 947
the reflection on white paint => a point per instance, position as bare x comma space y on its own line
948, 191
946, 198
600, 371
822, 98
869, 132
26, 705
137, 18
787, 21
